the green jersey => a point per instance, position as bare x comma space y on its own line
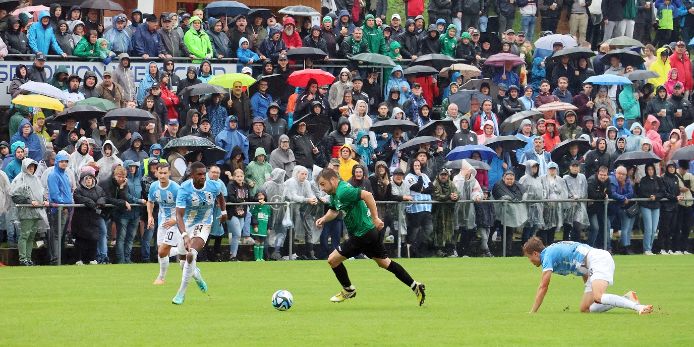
261, 216
357, 216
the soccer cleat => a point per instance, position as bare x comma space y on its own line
158, 282
664, 252
631, 295
93, 262
686, 253
644, 309
178, 299
202, 285
419, 292
678, 253
79, 262
343, 295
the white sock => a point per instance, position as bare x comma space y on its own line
188, 270
181, 262
618, 301
595, 307
163, 267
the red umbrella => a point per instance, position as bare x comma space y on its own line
300, 78
501, 59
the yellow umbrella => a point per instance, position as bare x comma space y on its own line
227, 80
35, 100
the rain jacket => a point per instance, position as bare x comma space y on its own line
337, 90
274, 189
448, 44
652, 134
79, 159
661, 68
669, 147
220, 40
86, 220
684, 69
26, 188
131, 153
229, 138
16, 40
246, 55
533, 189
515, 213
281, 159
468, 189
374, 37
198, 42
145, 42
107, 163
118, 39
634, 141
59, 183
272, 48
146, 84
398, 83
33, 142
42, 39
86, 49
14, 165
258, 173
630, 106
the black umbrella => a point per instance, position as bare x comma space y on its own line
260, 12
437, 61
415, 142
641, 75
276, 85
130, 114
225, 9
316, 127
512, 123
303, 53
626, 57
191, 142
508, 143
494, 42
637, 158
210, 155
430, 128
299, 10
387, 126
420, 70
477, 83
462, 99
562, 148
81, 113
573, 53
9, 5
102, 5
684, 153
458, 164
203, 89
373, 59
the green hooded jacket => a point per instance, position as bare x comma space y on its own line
256, 172
448, 44
374, 37
85, 49
197, 42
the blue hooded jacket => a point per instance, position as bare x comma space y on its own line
146, 84
119, 39
14, 167
229, 138
42, 39
245, 55
59, 186
398, 83
134, 193
32, 142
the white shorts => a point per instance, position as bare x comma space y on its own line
170, 236
199, 230
600, 266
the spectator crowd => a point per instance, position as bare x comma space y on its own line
276, 137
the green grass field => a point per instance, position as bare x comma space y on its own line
470, 301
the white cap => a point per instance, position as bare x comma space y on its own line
395, 15
247, 70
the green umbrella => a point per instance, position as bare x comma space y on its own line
624, 42
103, 104
373, 58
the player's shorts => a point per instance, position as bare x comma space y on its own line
170, 236
370, 244
199, 230
601, 266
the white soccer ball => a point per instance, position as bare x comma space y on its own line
282, 300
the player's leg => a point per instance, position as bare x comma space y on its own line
168, 240
163, 257
602, 269
335, 260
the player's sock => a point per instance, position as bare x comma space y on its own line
401, 274
163, 267
596, 308
261, 251
618, 301
188, 270
255, 252
197, 276
342, 276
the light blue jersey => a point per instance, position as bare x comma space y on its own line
198, 203
566, 257
165, 198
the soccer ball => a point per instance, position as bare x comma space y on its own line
282, 300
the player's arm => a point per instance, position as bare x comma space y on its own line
373, 210
329, 216
150, 216
222, 206
542, 290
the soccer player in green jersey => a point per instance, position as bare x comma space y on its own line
365, 234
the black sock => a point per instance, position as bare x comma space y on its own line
400, 273
341, 274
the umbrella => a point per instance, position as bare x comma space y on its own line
430, 127
508, 143
41, 101
299, 10
226, 9
387, 126
210, 155
202, 89
276, 84
306, 53
465, 152
373, 59
574, 53
642, 75
626, 57
494, 42
623, 42
463, 99
476, 84
503, 59
81, 113
467, 71
102, 5
608, 80
260, 12
415, 142
556, 106
563, 148
300, 78
512, 123
458, 164
437, 61
227, 80
637, 158
31, 9
547, 42
103, 104
131, 114
420, 70
316, 127
190, 142
43, 89
684, 153
9, 5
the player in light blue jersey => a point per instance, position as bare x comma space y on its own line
163, 193
194, 216
596, 266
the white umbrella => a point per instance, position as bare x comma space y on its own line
43, 89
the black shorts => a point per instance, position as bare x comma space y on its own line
370, 244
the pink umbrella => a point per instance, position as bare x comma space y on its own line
504, 59
32, 9
556, 106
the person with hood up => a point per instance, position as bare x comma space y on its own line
629, 102
64, 37
669, 210
130, 218
429, 43
347, 161
650, 187
575, 213
298, 190
464, 136
258, 170
15, 37
443, 214
468, 189
191, 79
533, 189
80, 157
487, 132
108, 160
146, 83
511, 104
218, 38
125, 78
597, 157
570, 129
89, 84
449, 41
42, 38
290, 35
671, 81
551, 136
26, 188
525, 133
118, 37
636, 136
34, 143
514, 213
373, 35
338, 137
231, 137
245, 54
197, 41
399, 83
654, 135
135, 152
338, 89
661, 66
40, 128
676, 141
660, 107
88, 220
419, 220
12, 165
273, 46
59, 191
553, 188
274, 189
136, 20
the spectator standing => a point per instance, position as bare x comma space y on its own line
170, 43
59, 192
125, 78
622, 190
419, 219
118, 37
26, 188
219, 39
146, 41
197, 41
42, 38
146, 83
258, 138
87, 221
15, 37
111, 91
232, 137
650, 187
115, 191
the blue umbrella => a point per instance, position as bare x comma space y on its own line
226, 9
608, 80
465, 152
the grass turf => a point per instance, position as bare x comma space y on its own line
470, 301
